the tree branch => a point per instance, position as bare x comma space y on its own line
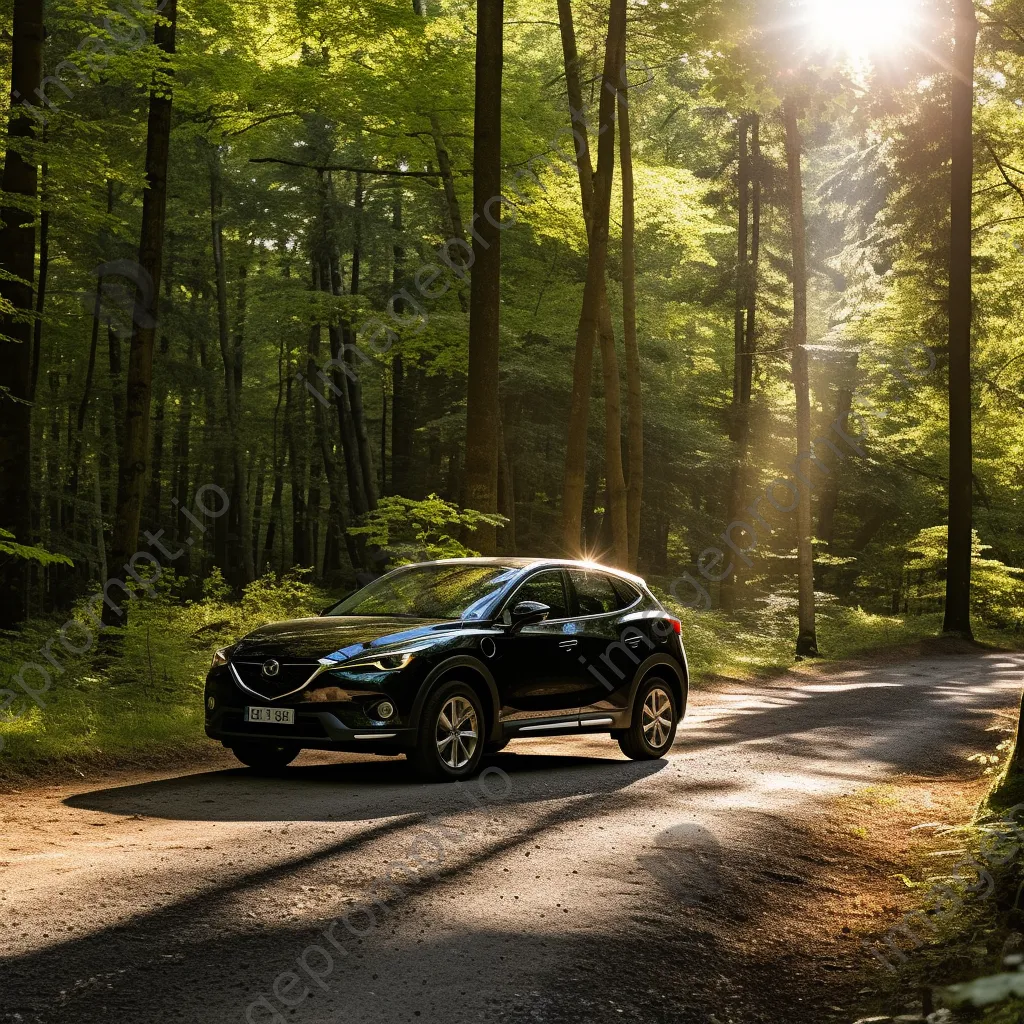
1002, 170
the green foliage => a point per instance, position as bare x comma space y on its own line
147, 701
30, 552
997, 589
418, 531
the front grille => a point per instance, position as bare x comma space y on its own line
306, 726
290, 676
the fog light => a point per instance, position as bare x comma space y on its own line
385, 709
210, 703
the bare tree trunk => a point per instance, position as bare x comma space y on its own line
245, 571
17, 258
481, 474
135, 452
635, 486
807, 642
958, 562
591, 313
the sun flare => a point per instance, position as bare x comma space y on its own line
860, 28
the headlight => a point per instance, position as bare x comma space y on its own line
220, 657
385, 663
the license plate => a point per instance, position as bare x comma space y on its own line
272, 716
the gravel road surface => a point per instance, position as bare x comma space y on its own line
567, 884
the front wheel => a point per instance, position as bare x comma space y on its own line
654, 723
266, 758
451, 736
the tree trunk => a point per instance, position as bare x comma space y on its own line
296, 445
71, 511
134, 458
738, 416
275, 502
355, 387
244, 569
44, 272
807, 642
1015, 768
635, 486
337, 526
958, 563
590, 315
444, 165
481, 474
756, 173
17, 257
401, 398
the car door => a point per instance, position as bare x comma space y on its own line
610, 655
537, 668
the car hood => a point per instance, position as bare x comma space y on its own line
338, 637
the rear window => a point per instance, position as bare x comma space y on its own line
594, 592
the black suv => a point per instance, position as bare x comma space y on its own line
445, 660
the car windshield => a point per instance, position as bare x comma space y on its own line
430, 592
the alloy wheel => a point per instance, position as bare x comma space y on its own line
657, 717
457, 733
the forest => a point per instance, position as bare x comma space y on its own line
723, 292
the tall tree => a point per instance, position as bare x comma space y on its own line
807, 641
134, 455
574, 478
244, 568
482, 434
961, 474
17, 270
737, 412
634, 393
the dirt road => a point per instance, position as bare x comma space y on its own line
567, 885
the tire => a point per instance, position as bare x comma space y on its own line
266, 758
496, 747
444, 753
650, 736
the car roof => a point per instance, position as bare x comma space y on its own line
519, 562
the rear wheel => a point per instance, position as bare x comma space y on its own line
266, 758
450, 742
654, 723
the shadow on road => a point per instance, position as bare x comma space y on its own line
358, 790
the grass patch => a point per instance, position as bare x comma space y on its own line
143, 698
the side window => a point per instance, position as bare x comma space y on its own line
545, 587
594, 592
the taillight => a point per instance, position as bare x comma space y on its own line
677, 627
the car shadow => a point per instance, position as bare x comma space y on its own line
362, 790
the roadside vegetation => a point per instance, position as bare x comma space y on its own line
958, 953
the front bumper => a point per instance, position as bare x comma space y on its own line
317, 730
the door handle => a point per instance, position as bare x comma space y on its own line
568, 645
634, 641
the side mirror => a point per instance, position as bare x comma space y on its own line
528, 613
